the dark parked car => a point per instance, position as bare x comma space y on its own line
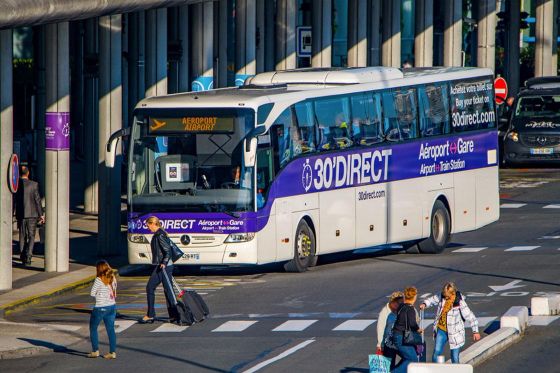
533, 135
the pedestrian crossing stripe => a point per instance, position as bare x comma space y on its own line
354, 325
169, 328
512, 205
522, 248
470, 250
122, 325
294, 325
234, 326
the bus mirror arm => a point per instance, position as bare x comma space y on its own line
111, 148
250, 151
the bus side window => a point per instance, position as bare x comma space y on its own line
265, 174
305, 131
434, 110
333, 117
282, 132
366, 118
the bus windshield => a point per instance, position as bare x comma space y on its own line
190, 160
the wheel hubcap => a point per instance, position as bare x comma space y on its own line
438, 227
303, 245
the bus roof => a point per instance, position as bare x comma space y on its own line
296, 85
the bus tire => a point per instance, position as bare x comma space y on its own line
440, 232
304, 249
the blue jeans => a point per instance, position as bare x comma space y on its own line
441, 340
407, 354
107, 314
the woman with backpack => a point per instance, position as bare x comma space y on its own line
163, 267
104, 290
449, 324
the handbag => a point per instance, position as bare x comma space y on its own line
410, 337
379, 364
176, 253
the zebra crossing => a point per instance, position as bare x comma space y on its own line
276, 326
505, 249
521, 205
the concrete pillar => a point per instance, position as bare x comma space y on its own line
6, 141
156, 52
39, 59
57, 132
110, 121
203, 46
245, 33
512, 51
453, 33
374, 32
391, 49
137, 57
357, 33
224, 51
286, 13
90, 117
486, 56
544, 38
322, 33
269, 36
183, 30
424, 35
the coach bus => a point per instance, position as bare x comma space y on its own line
296, 164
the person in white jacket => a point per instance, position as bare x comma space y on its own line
386, 319
449, 323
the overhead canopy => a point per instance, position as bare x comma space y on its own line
17, 13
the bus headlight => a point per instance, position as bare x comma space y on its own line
513, 136
239, 237
137, 238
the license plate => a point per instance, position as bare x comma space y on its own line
542, 150
191, 256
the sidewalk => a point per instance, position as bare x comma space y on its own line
31, 285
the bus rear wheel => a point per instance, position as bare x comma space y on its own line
304, 249
440, 232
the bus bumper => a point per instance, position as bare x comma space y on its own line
219, 253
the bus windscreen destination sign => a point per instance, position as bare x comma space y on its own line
192, 124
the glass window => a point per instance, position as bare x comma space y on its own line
366, 118
281, 132
434, 110
304, 135
541, 106
400, 114
265, 175
333, 116
472, 105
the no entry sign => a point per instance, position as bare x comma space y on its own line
501, 90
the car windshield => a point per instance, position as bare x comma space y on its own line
538, 106
190, 161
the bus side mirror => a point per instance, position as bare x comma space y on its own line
250, 151
110, 155
111, 148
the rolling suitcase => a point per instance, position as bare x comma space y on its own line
183, 313
194, 302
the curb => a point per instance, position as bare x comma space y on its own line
490, 346
23, 352
42, 297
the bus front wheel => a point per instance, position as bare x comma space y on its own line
440, 232
304, 249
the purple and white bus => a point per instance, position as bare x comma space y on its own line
296, 164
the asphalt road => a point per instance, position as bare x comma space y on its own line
324, 320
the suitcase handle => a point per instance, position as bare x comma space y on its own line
422, 323
172, 283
